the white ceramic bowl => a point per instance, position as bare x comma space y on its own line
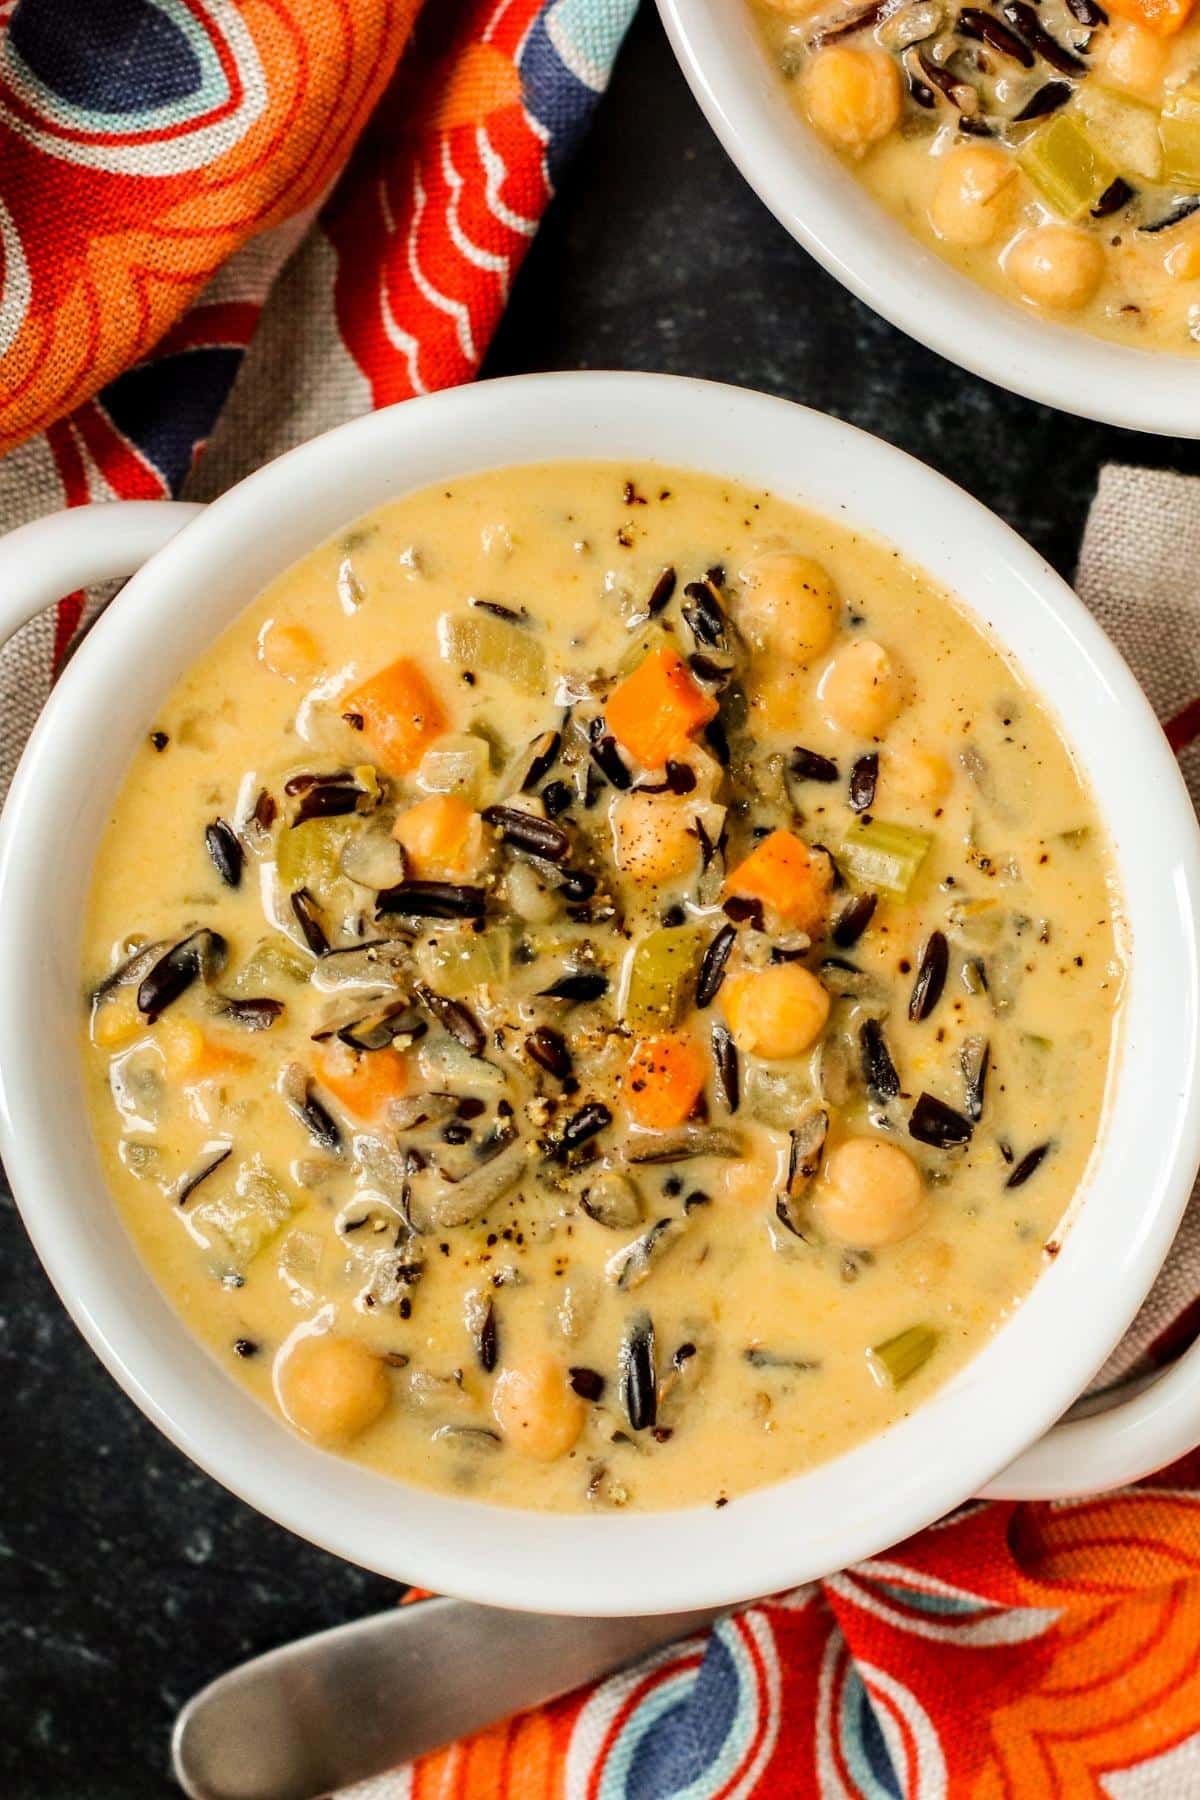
953, 1446
825, 209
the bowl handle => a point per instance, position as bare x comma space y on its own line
1112, 1445
50, 557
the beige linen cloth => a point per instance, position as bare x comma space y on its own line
1139, 568
1139, 572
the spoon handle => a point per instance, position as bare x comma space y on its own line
345, 1704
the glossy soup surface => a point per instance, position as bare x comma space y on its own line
600, 989
1051, 151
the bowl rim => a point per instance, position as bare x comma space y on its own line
849, 233
841, 1512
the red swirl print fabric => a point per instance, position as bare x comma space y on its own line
1013, 1652
140, 145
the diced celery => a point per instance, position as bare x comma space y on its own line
1123, 129
651, 637
273, 964
241, 1221
899, 1358
776, 1094
489, 645
1179, 129
456, 963
458, 765
1067, 166
880, 855
493, 742
452, 1069
307, 855
659, 975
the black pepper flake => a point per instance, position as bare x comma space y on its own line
159, 739
245, 1347
587, 1383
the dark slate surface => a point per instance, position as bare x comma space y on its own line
126, 1577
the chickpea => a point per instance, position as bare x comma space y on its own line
1057, 266
536, 1410
1182, 261
775, 1012
973, 197
1131, 58
912, 776
861, 690
288, 650
852, 96
747, 1181
652, 839
870, 1193
331, 1388
789, 606
116, 1020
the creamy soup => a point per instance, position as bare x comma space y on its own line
1049, 150
600, 989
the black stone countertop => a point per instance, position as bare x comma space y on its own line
127, 1578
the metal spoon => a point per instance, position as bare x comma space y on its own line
345, 1704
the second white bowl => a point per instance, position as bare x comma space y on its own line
837, 221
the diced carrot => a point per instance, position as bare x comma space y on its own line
362, 1080
654, 711
441, 834
1163, 17
785, 874
664, 1079
289, 650
400, 712
194, 1056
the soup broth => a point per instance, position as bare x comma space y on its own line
601, 986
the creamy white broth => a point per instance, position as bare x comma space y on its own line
584, 1342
